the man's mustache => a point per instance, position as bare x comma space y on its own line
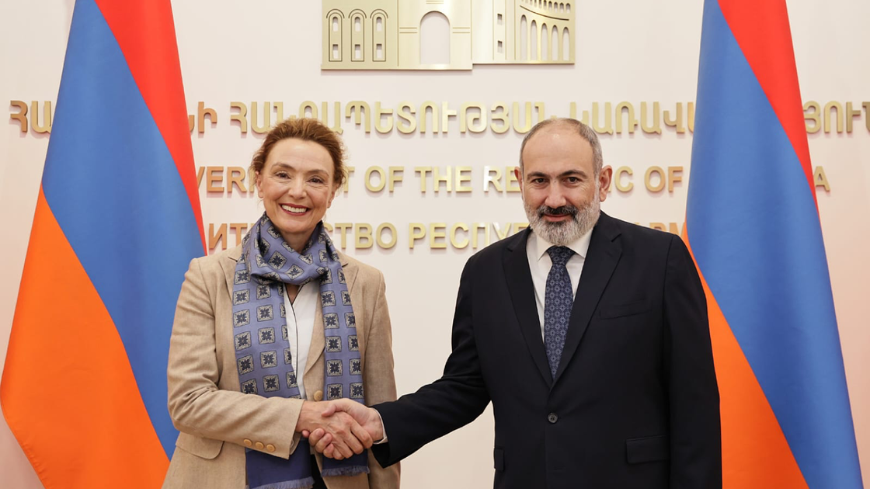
565, 210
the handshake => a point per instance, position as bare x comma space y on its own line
341, 428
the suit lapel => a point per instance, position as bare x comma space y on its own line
601, 260
317, 336
522, 291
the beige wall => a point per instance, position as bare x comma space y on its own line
636, 51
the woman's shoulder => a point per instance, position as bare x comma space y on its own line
217, 262
365, 272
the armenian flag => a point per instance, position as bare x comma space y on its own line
752, 224
117, 222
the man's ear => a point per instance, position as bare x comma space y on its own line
604, 180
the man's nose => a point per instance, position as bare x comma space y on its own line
555, 197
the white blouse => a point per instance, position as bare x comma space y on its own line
300, 327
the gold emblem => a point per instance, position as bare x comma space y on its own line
445, 34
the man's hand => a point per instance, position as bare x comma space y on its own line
346, 436
326, 443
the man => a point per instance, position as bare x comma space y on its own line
601, 374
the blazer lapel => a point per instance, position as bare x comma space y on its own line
317, 336
601, 259
228, 263
522, 291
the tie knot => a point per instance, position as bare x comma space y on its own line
560, 254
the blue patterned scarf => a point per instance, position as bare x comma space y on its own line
264, 360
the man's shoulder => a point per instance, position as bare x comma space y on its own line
494, 252
634, 232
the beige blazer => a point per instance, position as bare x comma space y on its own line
217, 421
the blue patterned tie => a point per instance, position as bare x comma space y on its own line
558, 301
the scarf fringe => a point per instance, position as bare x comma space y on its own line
345, 471
305, 483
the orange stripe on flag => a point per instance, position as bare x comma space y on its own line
68, 391
755, 453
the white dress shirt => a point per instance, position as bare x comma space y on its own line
540, 265
300, 327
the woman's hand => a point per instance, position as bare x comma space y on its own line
346, 435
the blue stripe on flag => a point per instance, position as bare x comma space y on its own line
117, 195
755, 233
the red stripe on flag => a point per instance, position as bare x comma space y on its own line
145, 31
755, 452
68, 391
764, 35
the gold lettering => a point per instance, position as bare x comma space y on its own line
632, 121
267, 118
21, 116
309, 109
812, 115
474, 122
46, 117
426, 107
394, 236
489, 178
475, 230
648, 177
829, 107
336, 114
239, 228
446, 114
437, 231
656, 126
676, 122
382, 180
241, 117
438, 179
416, 232
850, 116
504, 117
454, 241
395, 176
820, 179
342, 228
423, 171
359, 109
236, 177
215, 175
220, 236
379, 115
463, 175
201, 113
608, 118
527, 124
406, 113
617, 179
362, 236
675, 174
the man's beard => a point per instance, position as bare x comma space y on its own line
562, 233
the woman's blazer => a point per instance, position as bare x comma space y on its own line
217, 421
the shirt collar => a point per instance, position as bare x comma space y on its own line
579, 246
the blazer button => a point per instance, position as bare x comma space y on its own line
552, 418
248, 443
318, 396
259, 445
270, 448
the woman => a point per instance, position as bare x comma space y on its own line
286, 304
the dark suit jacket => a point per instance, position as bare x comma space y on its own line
634, 403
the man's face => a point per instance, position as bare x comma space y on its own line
561, 193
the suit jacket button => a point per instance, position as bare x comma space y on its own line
270, 448
248, 443
318, 396
552, 418
259, 445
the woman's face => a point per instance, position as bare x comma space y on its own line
297, 186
